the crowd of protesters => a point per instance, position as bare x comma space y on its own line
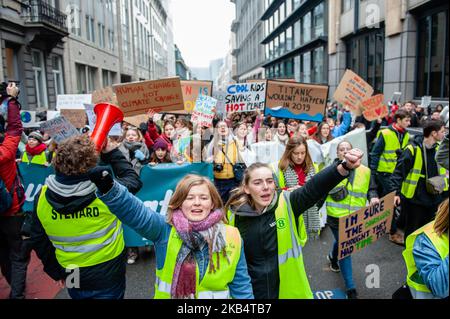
249, 191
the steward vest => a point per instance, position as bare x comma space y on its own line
82, 239
388, 158
418, 288
294, 282
409, 185
357, 194
281, 183
39, 159
213, 285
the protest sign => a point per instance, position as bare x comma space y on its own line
138, 97
374, 108
352, 90
220, 106
365, 226
116, 130
104, 95
245, 97
28, 118
76, 117
426, 101
191, 90
136, 120
203, 113
396, 97
59, 129
72, 101
52, 114
33, 177
296, 100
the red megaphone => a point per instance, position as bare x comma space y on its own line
107, 115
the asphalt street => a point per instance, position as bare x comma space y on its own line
384, 254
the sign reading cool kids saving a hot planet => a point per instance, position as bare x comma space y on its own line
296, 100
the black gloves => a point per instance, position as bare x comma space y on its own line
102, 177
143, 128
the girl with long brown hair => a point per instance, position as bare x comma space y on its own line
197, 254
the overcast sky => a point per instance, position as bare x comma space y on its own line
202, 29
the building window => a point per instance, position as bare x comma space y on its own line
306, 28
85, 78
111, 40
296, 3
297, 32
347, 5
318, 65
58, 75
90, 32
432, 63
107, 78
40, 81
289, 39
306, 68
318, 20
12, 63
101, 35
365, 56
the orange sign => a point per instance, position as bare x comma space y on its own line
138, 97
105, 95
352, 90
76, 117
191, 91
374, 108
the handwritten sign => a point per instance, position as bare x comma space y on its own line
72, 101
352, 90
245, 97
192, 89
426, 101
59, 129
220, 106
365, 226
138, 97
203, 113
296, 100
105, 95
374, 108
76, 117
136, 120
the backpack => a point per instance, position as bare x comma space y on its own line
6, 196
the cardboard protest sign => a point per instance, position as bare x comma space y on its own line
352, 90
374, 108
296, 100
105, 95
28, 118
52, 114
365, 226
138, 97
191, 90
116, 130
220, 106
76, 117
426, 101
136, 120
245, 97
72, 101
59, 129
203, 113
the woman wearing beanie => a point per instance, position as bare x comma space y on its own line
35, 150
160, 153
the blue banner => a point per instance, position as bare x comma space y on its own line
159, 183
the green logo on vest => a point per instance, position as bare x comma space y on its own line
281, 223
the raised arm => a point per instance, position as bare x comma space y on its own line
128, 208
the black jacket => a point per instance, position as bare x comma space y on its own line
101, 276
405, 164
259, 232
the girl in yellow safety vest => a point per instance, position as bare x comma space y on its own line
267, 221
35, 150
197, 254
426, 258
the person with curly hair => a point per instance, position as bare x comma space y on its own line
74, 232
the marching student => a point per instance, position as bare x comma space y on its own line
35, 150
197, 254
267, 220
72, 230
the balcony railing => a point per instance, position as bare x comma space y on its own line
40, 11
